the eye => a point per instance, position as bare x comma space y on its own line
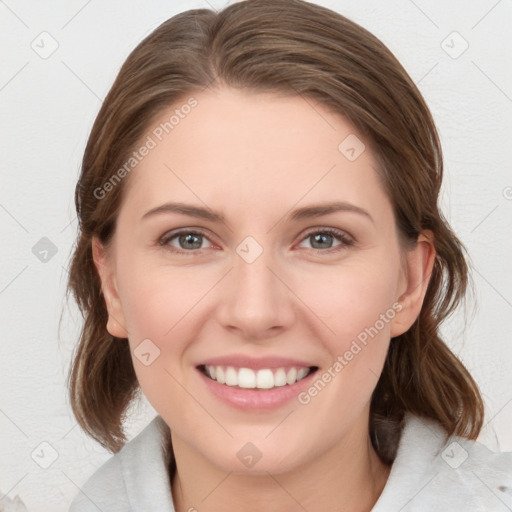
322, 239
190, 242
186, 240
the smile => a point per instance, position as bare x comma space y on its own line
263, 378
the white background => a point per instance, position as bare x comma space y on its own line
47, 110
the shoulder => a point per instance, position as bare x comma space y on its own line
433, 472
131, 478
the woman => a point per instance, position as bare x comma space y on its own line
261, 253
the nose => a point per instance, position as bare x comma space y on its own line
256, 299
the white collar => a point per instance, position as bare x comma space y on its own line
428, 473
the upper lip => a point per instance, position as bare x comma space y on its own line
243, 361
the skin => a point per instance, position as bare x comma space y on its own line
254, 158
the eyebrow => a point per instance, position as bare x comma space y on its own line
306, 212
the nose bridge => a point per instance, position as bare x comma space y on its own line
255, 300
255, 284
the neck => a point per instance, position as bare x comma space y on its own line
349, 478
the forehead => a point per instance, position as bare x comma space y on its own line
235, 149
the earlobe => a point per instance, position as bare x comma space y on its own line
419, 263
115, 324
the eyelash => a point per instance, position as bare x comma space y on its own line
345, 240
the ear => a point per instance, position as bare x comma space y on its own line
418, 263
105, 267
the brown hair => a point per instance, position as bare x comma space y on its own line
298, 48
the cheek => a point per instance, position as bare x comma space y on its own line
152, 295
358, 306
147, 310
163, 304
352, 298
156, 315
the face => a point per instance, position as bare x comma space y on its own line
282, 262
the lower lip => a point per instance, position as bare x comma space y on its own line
256, 399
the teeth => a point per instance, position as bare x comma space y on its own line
245, 378
231, 376
259, 379
301, 373
291, 376
220, 377
264, 379
280, 377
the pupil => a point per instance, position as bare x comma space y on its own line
186, 239
321, 237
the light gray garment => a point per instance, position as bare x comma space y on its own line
427, 475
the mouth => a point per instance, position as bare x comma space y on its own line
260, 379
